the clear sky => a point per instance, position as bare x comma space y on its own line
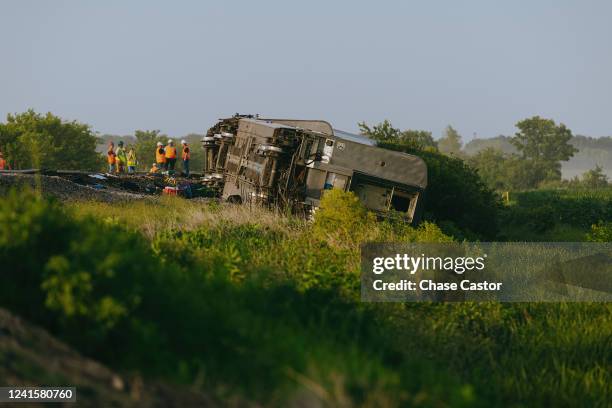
177, 66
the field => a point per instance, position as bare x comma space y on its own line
554, 215
252, 307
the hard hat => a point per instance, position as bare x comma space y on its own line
183, 141
159, 144
170, 141
154, 164
120, 143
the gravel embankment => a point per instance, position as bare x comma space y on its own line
64, 189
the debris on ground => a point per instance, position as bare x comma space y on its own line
104, 187
63, 189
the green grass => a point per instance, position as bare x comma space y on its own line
554, 215
240, 301
556, 233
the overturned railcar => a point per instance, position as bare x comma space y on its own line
291, 163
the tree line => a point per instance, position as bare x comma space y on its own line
34, 140
530, 159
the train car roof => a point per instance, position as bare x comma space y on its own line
352, 137
268, 123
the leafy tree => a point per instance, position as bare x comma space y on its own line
545, 144
30, 139
450, 143
384, 132
491, 164
524, 174
509, 172
418, 139
595, 178
541, 146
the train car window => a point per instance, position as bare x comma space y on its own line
334, 180
400, 202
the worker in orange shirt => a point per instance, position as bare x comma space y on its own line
160, 156
186, 155
170, 156
3, 163
111, 157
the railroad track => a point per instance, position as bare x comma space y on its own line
137, 183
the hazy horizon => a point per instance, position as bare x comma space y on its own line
478, 66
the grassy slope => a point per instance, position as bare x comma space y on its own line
472, 353
30, 357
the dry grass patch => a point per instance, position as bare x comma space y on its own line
171, 213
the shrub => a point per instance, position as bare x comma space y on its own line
541, 210
31, 232
601, 232
342, 218
76, 276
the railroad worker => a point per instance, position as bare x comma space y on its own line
160, 156
111, 157
121, 158
170, 156
154, 168
131, 160
3, 163
186, 155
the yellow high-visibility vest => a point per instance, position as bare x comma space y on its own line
131, 159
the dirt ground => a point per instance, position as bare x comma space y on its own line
29, 356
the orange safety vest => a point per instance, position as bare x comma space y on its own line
186, 153
160, 157
2, 163
170, 152
111, 156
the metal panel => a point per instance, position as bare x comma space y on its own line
386, 164
320, 126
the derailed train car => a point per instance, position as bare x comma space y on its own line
291, 163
